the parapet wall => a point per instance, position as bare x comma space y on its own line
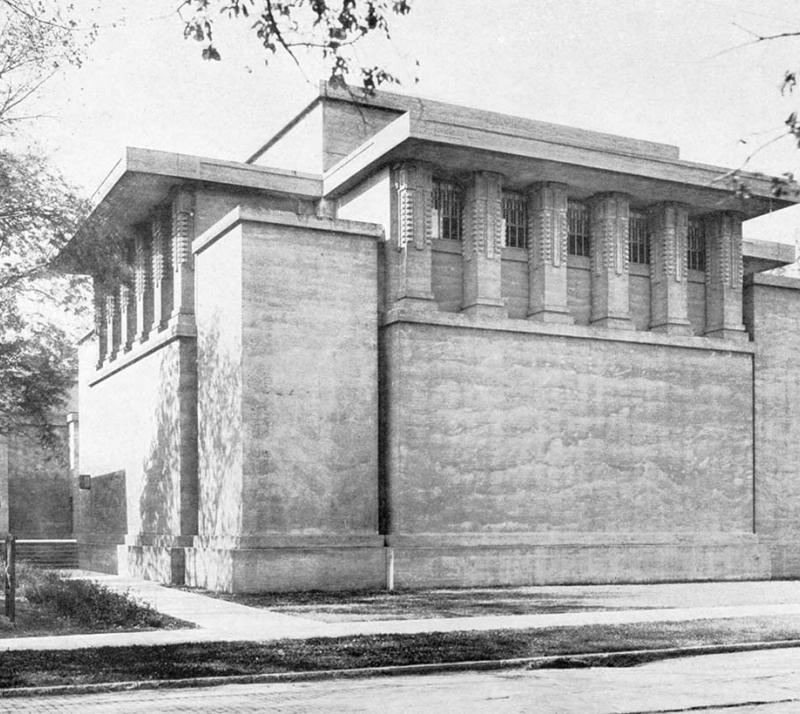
772, 313
506, 434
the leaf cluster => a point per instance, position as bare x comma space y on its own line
331, 27
38, 214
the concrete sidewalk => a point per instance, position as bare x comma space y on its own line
220, 620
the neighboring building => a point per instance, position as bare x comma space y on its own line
35, 482
412, 344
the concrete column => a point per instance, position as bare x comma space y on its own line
609, 261
183, 261
162, 269
724, 276
482, 245
547, 253
112, 325
142, 283
100, 321
127, 319
411, 261
669, 286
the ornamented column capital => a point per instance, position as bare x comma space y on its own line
182, 225
547, 223
547, 253
669, 289
414, 186
610, 217
482, 246
483, 219
669, 227
408, 256
724, 272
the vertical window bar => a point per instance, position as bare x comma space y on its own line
638, 239
515, 215
696, 245
448, 202
579, 241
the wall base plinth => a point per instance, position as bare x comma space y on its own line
682, 329
728, 334
154, 557
486, 307
614, 323
553, 317
592, 562
285, 569
98, 552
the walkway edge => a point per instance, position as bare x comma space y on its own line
626, 658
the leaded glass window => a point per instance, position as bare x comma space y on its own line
696, 245
448, 203
515, 216
638, 239
579, 241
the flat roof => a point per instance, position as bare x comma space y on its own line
460, 139
143, 177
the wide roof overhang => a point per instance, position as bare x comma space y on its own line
524, 158
143, 178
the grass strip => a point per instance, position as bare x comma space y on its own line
126, 664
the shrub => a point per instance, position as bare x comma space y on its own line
84, 603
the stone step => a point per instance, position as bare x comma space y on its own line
57, 554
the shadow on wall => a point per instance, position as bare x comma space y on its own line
159, 508
219, 430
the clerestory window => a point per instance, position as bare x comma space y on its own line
696, 245
448, 205
515, 218
638, 239
579, 236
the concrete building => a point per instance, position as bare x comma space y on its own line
410, 344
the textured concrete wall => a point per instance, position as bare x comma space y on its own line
579, 296
348, 126
39, 485
287, 329
773, 316
213, 204
309, 356
639, 295
697, 301
131, 422
493, 431
287, 422
108, 506
447, 275
218, 310
515, 282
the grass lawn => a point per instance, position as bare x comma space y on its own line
421, 604
116, 664
48, 604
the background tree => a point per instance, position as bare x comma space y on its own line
40, 311
331, 28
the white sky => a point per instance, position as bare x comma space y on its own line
662, 70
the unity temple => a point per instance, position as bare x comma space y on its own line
411, 344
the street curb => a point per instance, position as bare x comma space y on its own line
626, 658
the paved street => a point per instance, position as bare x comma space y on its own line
766, 682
